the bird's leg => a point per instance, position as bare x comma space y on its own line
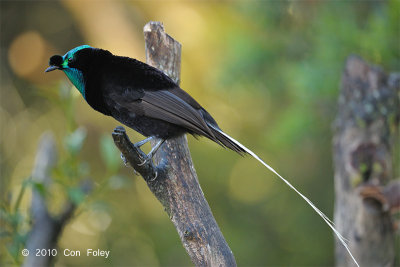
153, 151
155, 148
144, 141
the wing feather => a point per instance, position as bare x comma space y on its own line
164, 105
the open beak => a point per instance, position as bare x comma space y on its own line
51, 68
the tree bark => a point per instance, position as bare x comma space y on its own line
176, 185
365, 132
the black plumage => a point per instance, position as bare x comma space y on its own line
142, 97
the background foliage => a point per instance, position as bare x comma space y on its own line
269, 73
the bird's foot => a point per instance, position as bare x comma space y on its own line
153, 151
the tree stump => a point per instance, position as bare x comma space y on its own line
364, 136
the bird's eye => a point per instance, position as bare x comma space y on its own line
70, 60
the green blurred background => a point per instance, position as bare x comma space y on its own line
269, 73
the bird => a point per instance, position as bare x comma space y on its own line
147, 100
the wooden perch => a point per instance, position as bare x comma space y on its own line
176, 185
46, 228
365, 133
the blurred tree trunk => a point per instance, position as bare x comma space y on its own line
46, 227
366, 128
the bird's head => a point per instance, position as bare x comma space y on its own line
72, 64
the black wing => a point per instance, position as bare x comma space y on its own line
164, 105
154, 95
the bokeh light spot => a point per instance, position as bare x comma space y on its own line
26, 53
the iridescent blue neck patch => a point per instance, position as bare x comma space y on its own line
73, 74
76, 77
71, 52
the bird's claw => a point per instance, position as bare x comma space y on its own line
155, 177
144, 162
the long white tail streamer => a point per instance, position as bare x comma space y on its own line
320, 213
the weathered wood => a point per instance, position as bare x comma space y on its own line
365, 132
176, 185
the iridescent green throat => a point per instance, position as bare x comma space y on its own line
76, 77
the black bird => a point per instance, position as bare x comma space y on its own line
138, 95
148, 101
